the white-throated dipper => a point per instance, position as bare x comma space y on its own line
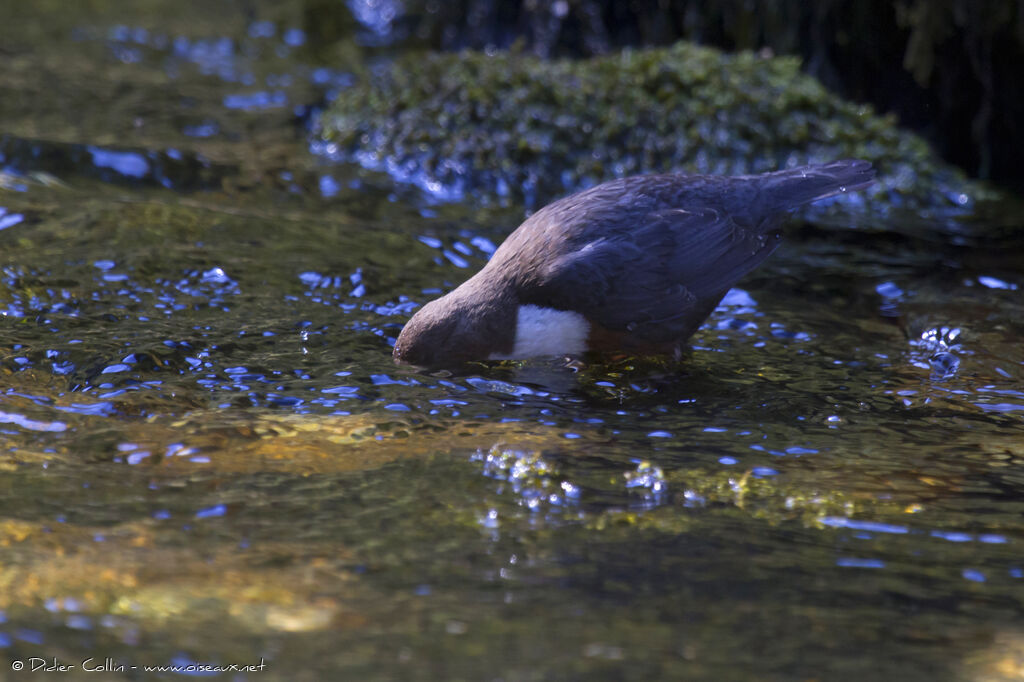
632, 265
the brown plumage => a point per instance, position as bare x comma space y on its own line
644, 260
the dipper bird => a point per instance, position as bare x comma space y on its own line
632, 265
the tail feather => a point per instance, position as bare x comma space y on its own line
795, 187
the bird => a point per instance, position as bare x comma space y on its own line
630, 266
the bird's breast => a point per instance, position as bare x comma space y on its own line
547, 331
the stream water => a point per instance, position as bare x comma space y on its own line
209, 459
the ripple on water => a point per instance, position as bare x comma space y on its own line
938, 349
996, 283
32, 424
9, 219
870, 526
856, 562
649, 483
535, 481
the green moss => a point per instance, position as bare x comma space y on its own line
519, 127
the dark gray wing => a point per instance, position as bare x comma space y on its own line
652, 279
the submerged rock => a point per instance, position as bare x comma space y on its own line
515, 127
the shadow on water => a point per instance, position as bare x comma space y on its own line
209, 457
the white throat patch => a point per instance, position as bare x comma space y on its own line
546, 331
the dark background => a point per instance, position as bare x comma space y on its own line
949, 69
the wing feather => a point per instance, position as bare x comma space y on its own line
647, 280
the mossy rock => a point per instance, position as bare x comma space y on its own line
512, 127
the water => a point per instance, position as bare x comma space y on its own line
210, 459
